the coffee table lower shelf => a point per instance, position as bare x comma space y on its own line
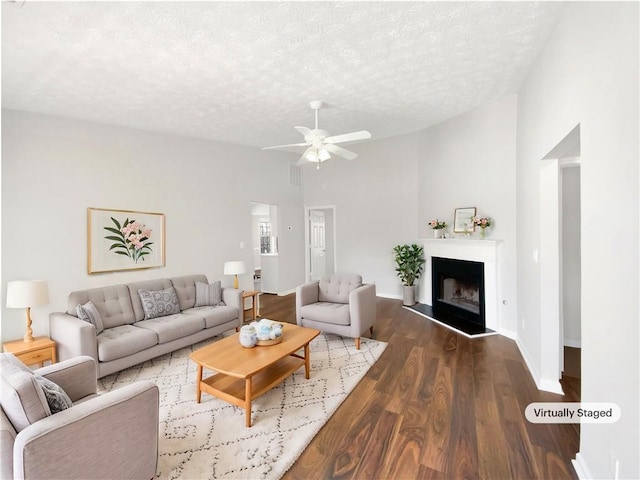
241, 391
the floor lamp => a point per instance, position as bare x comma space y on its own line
27, 294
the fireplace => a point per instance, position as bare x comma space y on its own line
483, 252
458, 293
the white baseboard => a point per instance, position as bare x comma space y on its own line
550, 385
508, 333
580, 466
286, 292
389, 295
546, 384
572, 343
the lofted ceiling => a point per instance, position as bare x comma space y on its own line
245, 72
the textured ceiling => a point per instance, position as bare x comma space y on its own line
244, 72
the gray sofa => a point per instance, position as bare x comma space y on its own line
128, 338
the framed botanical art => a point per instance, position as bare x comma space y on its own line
124, 240
463, 220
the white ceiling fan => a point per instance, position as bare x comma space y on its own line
320, 145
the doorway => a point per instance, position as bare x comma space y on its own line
560, 287
264, 235
320, 257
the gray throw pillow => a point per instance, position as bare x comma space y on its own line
89, 313
159, 303
57, 398
208, 295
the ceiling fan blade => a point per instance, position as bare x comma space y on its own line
304, 131
348, 137
341, 152
286, 147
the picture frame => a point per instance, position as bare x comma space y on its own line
124, 240
463, 220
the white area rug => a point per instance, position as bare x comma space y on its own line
209, 440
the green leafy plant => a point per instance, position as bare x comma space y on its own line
409, 262
131, 239
437, 224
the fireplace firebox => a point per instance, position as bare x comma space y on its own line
458, 297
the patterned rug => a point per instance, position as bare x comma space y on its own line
210, 440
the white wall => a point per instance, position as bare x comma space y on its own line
571, 255
375, 206
53, 169
588, 75
469, 161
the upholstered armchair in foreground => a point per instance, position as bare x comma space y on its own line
110, 435
338, 303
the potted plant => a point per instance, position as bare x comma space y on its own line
409, 264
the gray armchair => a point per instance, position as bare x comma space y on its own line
110, 435
338, 303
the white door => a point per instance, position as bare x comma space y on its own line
317, 245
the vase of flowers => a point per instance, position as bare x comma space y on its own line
483, 223
438, 227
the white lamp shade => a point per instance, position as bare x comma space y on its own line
27, 293
234, 268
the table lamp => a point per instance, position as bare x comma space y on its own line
234, 268
27, 294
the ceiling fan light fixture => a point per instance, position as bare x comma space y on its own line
312, 155
323, 155
320, 145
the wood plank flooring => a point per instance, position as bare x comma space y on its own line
437, 405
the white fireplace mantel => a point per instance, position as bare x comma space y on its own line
485, 251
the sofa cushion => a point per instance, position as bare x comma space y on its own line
336, 287
208, 295
214, 316
334, 313
112, 302
159, 303
124, 340
57, 398
22, 398
89, 313
186, 289
149, 285
170, 327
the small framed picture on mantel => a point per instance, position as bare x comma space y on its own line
463, 220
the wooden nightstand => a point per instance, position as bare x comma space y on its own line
41, 350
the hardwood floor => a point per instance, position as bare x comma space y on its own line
437, 405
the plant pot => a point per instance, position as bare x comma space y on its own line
436, 233
408, 295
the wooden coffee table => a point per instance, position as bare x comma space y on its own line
243, 374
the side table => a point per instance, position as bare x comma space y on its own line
255, 308
41, 350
